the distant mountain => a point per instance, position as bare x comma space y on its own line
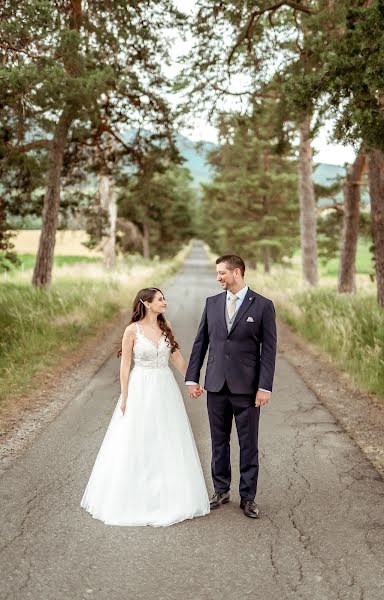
326, 174
195, 155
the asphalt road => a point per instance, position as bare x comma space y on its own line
321, 535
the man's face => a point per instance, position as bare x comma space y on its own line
225, 276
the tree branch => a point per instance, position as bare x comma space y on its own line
109, 130
256, 14
36, 145
8, 48
248, 93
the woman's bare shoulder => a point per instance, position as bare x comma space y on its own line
130, 331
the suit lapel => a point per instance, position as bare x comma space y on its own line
222, 309
249, 298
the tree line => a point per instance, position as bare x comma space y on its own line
83, 96
82, 99
312, 60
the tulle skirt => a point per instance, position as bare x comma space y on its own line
147, 471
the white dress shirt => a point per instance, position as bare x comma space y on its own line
240, 297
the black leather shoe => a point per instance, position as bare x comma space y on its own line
218, 499
250, 509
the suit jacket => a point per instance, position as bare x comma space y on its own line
245, 356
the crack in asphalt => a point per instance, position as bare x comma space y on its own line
22, 523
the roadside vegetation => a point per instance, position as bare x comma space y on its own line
39, 327
349, 328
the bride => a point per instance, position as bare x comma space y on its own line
147, 471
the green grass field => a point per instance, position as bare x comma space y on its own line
364, 264
27, 261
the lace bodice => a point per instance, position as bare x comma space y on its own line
147, 354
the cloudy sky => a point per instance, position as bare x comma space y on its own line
201, 129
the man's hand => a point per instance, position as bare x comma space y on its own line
195, 391
262, 398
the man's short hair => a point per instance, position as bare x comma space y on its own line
233, 262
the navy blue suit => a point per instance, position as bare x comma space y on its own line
239, 362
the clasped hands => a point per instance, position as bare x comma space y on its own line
262, 397
195, 391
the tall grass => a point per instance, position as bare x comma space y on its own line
349, 328
38, 328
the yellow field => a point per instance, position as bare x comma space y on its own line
68, 243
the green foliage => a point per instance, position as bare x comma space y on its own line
329, 228
160, 201
349, 328
100, 68
251, 206
352, 76
8, 258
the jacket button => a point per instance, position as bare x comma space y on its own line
227, 341
226, 356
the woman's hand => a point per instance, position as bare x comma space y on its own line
123, 406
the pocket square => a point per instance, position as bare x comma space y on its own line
250, 320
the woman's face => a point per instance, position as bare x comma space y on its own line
158, 304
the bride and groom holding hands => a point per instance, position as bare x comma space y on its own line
147, 471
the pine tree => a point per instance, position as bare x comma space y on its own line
250, 208
62, 64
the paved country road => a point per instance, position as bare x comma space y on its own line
321, 535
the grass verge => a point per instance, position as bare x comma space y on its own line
37, 328
348, 328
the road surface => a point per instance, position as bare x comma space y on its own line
320, 537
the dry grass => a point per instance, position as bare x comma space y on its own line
68, 243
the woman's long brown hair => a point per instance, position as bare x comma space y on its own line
138, 313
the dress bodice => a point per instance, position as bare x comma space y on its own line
148, 354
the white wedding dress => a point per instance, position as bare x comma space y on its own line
147, 471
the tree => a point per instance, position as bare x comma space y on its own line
250, 207
351, 81
262, 37
159, 200
7, 255
62, 63
352, 187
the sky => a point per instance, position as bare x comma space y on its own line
201, 130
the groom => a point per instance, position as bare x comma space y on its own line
240, 329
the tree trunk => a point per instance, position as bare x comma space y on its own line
307, 205
376, 190
42, 273
146, 248
267, 259
108, 198
347, 283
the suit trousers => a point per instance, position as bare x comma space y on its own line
222, 407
